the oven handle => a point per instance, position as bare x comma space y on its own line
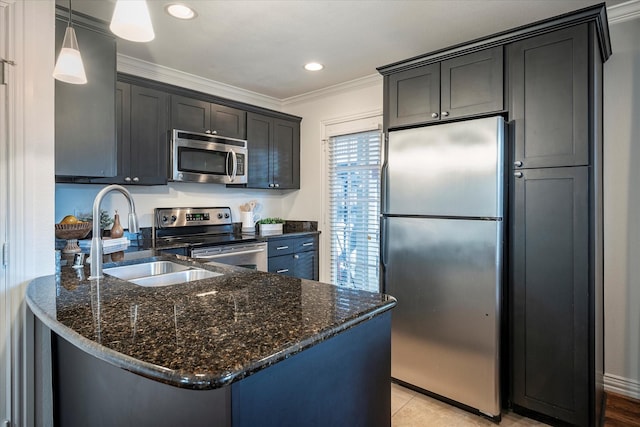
249, 251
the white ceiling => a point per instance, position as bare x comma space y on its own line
262, 45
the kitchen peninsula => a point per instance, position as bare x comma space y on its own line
244, 348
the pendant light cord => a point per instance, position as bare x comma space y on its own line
69, 13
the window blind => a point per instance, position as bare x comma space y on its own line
354, 199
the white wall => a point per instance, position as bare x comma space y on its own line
622, 209
72, 199
357, 98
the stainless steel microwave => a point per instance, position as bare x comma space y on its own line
201, 157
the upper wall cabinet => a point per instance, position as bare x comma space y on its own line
85, 128
274, 152
549, 81
462, 86
205, 117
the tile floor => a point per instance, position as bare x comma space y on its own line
412, 409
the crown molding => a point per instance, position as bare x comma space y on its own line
359, 83
137, 67
624, 11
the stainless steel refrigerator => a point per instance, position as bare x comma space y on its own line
442, 258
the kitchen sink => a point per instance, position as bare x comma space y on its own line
175, 278
135, 271
159, 273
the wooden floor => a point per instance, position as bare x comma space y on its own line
622, 411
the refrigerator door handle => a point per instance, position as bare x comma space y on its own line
383, 254
383, 187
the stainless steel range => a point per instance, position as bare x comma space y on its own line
207, 233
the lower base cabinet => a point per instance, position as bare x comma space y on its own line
295, 256
341, 381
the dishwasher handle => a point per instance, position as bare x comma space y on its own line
249, 251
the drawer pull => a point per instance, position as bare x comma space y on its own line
279, 248
308, 244
284, 270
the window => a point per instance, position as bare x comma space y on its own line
354, 208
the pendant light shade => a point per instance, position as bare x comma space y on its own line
69, 67
131, 21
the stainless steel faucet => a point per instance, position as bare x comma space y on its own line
96, 242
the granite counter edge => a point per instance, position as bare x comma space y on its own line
181, 379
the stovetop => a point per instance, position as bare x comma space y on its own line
197, 227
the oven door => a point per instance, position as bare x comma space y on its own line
252, 255
208, 159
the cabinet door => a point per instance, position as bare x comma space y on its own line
85, 127
413, 96
283, 264
190, 114
123, 132
149, 150
259, 131
227, 121
306, 265
285, 154
472, 84
550, 293
549, 87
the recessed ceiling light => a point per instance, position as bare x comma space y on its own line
180, 11
313, 66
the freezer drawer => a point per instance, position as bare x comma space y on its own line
455, 169
446, 276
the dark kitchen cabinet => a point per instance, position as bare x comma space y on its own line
294, 256
142, 118
551, 292
85, 127
463, 86
556, 257
145, 150
549, 86
206, 117
274, 152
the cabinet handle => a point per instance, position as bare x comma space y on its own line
517, 164
214, 132
270, 185
136, 179
127, 179
296, 256
308, 244
207, 131
277, 185
518, 174
434, 115
284, 270
445, 114
279, 248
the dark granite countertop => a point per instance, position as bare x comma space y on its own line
198, 335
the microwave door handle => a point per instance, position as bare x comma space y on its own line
226, 166
235, 165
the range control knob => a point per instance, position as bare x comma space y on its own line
219, 215
173, 218
226, 215
164, 218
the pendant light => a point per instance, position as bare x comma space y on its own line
131, 21
69, 67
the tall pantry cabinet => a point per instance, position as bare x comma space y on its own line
556, 256
552, 342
